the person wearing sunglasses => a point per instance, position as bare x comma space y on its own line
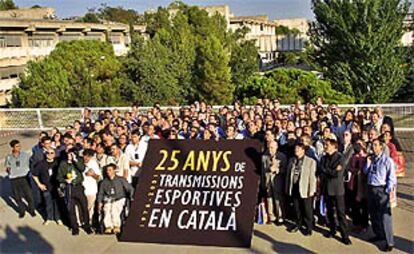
44, 175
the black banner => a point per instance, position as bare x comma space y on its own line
196, 192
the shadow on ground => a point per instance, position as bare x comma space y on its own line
280, 247
23, 240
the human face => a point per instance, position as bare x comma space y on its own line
114, 151
377, 147
347, 137
206, 135
384, 128
135, 138
327, 133
110, 172
374, 118
87, 158
373, 134
17, 148
272, 148
387, 137
329, 147
51, 154
299, 152
123, 139
150, 130
47, 144
230, 132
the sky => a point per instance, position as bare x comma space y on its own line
275, 9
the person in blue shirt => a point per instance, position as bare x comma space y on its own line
380, 171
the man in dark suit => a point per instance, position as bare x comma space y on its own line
301, 186
38, 156
331, 173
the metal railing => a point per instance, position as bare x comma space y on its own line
45, 118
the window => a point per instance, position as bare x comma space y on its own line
115, 38
97, 37
10, 40
2, 42
69, 37
41, 41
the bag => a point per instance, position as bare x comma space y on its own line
261, 213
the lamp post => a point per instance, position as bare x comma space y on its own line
91, 76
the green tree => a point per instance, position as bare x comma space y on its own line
147, 68
244, 60
213, 72
190, 51
7, 5
75, 74
289, 85
356, 46
115, 14
119, 14
90, 17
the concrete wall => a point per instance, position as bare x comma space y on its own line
29, 13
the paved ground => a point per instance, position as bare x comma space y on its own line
29, 235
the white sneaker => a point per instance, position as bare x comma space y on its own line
46, 222
59, 222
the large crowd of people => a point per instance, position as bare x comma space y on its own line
320, 164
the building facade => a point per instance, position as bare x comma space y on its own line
293, 41
262, 31
22, 40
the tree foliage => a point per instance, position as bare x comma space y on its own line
7, 5
356, 46
289, 85
110, 13
187, 57
77, 73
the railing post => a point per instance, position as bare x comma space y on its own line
39, 119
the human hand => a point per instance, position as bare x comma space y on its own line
42, 187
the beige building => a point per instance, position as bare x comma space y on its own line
292, 41
29, 13
23, 39
262, 31
408, 37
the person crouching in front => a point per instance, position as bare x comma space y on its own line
111, 198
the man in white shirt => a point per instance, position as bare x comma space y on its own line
92, 175
120, 159
135, 154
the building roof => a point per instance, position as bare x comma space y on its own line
60, 25
258, 20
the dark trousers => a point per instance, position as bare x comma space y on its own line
21, 189
380, 213
360, 213
303, 209
52, 208
336, 203
77, 198
37, 195
134, 182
